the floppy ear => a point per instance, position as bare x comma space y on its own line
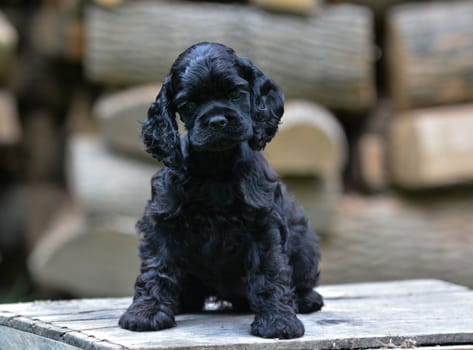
159, 133
267, 104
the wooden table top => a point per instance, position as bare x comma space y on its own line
401, 314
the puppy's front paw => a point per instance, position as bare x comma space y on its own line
277, 326
142, 317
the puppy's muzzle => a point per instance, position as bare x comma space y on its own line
217, 122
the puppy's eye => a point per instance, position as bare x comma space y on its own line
234, 94
189, 107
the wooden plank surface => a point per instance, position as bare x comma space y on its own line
369, 315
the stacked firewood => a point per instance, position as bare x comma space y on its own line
107, 170
418, 136
39, 69
379, 94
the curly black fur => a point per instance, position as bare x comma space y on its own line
220, 223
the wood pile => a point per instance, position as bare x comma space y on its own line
413, 139
379, 96
121, 115
36, 83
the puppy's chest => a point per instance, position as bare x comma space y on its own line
209, 196
216, 230
216, 221
216, 234
215, 244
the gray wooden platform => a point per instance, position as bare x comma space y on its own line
401, 314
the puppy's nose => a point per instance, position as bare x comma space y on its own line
217, 122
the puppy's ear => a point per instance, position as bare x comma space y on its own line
159, 133
267, 105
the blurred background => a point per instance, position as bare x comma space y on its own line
376, 141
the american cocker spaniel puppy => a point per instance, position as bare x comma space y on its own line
220, 222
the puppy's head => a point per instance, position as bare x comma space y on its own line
223, 100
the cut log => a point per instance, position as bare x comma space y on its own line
86, 257
309, 152
138, 41
8, 44
10, 129
389, 237
106, 183
373, 240
430, 53
310, 142
121, 115
432, 147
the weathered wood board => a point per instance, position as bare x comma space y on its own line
371, 315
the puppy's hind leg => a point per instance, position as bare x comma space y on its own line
307, 299
304, 260
309, 302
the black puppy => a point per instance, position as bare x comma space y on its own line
220, 223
